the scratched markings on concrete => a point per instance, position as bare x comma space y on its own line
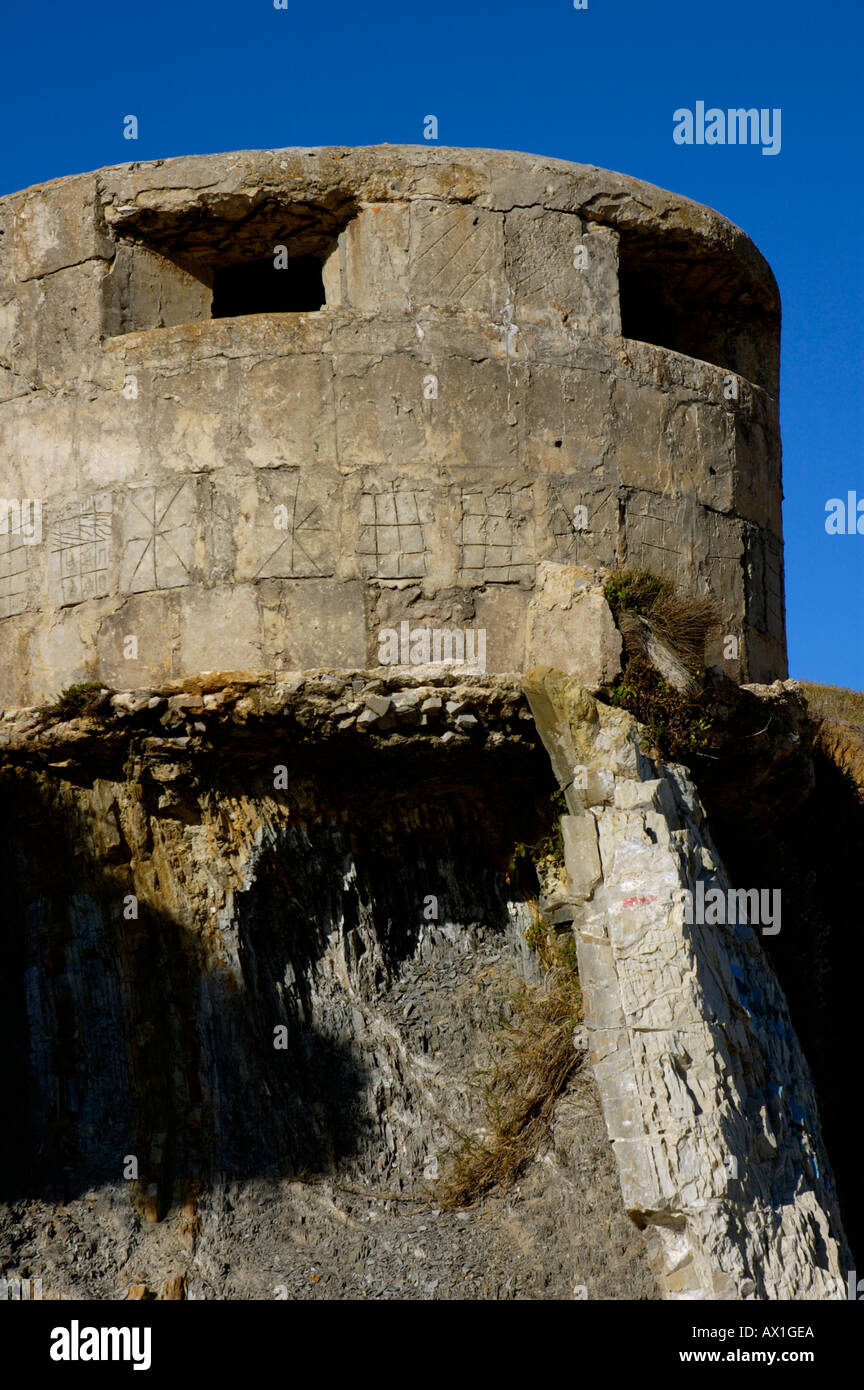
394, 532
495, 533
79, 550
293, 534
656, 532
581, 521
455, 254
474, 268
159, 536
14, 565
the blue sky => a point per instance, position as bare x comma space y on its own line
598, 86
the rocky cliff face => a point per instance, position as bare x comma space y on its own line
707, 1095
278, 998
261, 940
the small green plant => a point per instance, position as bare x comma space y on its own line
535, 935
75, 700
548, 849
555, 949
677, 725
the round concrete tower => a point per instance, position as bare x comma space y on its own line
256, 408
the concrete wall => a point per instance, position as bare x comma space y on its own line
271, 490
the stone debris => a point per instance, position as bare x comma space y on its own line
400, 704
378, 704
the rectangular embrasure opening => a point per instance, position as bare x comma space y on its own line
191, 268
278, 285
699, 306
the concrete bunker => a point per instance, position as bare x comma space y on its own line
161, 458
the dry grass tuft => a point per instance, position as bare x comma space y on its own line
683, 624
538, 1057
645, 605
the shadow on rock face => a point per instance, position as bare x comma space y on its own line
231, 1035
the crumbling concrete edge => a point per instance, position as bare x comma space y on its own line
706, 1093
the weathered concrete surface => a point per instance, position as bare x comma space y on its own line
570, 626
259, 490
707, 1095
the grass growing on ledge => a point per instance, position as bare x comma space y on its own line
677, 724
632, 591
75, 700
647, 608
681, 622
538, 1057
839, 718
833, 702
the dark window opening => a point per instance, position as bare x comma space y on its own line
677, 304
244, 257
646, 315
702, 306
261, 287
